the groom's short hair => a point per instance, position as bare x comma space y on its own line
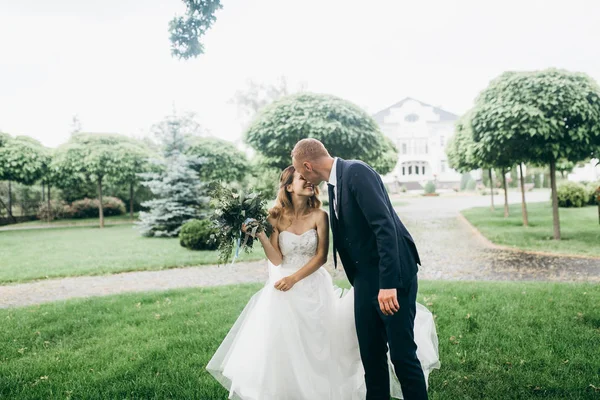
309, 149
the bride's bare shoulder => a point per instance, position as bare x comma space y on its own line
274, 223
320, 215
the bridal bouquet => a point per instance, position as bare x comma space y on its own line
232, 209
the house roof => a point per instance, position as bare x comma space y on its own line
443, 114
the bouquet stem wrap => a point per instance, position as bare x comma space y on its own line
251, 222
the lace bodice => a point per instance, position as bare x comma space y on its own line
297, 250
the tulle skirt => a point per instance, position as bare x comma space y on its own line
302, 344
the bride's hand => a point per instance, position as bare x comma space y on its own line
285, 284
246, 231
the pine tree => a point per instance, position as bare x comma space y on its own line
180, 196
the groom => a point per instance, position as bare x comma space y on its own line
380, 259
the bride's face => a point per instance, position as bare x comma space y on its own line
301, 187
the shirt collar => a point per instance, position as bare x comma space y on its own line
333, 175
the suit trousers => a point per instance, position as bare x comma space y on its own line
376, 331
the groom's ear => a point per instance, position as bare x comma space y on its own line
307, 166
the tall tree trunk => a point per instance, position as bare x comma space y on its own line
131, 200
505, 193
50, 216
43, 192
100, 206
523, 204
10, 214
555, 216
491, 188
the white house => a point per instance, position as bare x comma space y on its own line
420, 132
589, 172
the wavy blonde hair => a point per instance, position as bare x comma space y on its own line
283, 204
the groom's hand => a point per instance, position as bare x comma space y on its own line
388, 301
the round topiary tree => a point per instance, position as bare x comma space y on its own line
222, 161
346, 130
544, 117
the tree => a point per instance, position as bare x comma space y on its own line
565, 167
256, 96
20, 161
173, 132
75, 124
495, 125
542, 117
461, 151
49, 177
386, 161
345, 129
134, 160
222, 161
91, 157
180, 196
187, 31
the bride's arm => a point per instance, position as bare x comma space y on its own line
320, 257
271, 245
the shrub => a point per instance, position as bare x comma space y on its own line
430, 187
88, 208
471, 185
571, 194
112, 206
195, 235
403, 189
592, 189
59, 209
537, 180
464, 180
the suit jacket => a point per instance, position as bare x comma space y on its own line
373, 244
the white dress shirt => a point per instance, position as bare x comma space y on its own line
333, 182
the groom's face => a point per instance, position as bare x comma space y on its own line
305, 168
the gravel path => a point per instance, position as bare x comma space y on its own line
450, 249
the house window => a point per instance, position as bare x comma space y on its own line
410, 170
416, 170
426, 148
411, 118
420, 146
423, 169
404, 148
442, 141
403, 170
443, 166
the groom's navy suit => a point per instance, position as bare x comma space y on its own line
377, 252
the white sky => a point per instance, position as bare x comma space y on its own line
109, 60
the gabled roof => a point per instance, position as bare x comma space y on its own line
443, 114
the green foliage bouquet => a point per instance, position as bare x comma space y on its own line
233, 208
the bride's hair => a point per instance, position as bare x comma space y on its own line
283, 203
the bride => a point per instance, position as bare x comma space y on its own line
296, 339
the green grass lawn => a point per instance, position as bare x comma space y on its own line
580, 231
71, 222
497, 341
40, 253
399, 203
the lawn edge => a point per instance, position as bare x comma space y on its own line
496, 246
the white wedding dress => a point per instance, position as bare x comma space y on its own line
302, 344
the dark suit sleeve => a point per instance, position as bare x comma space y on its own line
366, 187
